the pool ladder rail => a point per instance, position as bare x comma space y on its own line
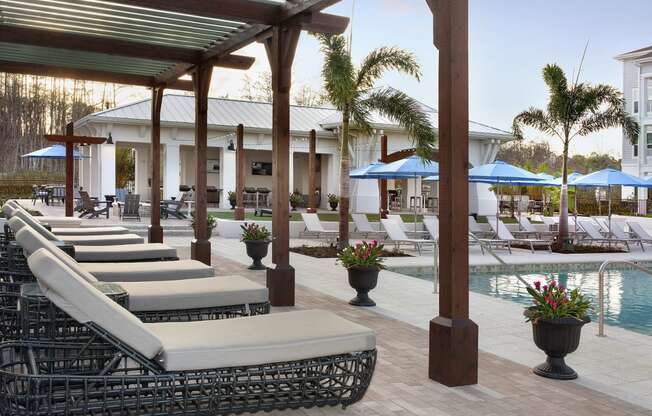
601, 272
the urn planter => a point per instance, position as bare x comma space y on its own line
232, 202
257, 250
333, 205
363, 280
557, 338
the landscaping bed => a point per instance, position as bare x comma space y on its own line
330, 252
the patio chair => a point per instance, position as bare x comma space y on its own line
60, 222
131, 207
80, 240
174, 208
593, 235
398, 237
637, 229
314, 228
477, 230
432, 226
365, 229
409, 231
618, 231
106, 253
528, 229
268, 362
505, 235
91, 208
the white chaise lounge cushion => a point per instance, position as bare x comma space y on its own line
200, 293
86, 304
90, 231
274, 338
148, 271
102, 240
8, 210
31, 242
130, 252
28, 220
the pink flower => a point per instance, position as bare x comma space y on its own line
553, 283
545, 288
562, 288
537, 285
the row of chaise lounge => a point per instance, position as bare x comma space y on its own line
97, 322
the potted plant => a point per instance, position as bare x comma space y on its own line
232, 199
333, 201
257, 240
363, 263
557, 317
211, 222
295, 200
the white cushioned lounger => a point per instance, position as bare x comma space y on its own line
181, 346
63, 222
31, 241
90, 240
176, 294
108, 253
89, 231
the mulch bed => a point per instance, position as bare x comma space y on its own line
587, 249
330, 252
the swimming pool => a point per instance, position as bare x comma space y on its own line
628, 293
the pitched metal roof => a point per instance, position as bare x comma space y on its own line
180, 109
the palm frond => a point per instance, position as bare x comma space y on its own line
560, 97
409, 114
338, 72
360, 118
384, 59
535, 118
611, 117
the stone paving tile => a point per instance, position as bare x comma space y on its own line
401, 385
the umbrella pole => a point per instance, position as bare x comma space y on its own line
575, 208
415, 203
609, 198
497, 205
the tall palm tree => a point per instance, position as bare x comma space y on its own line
352, 91
574, 110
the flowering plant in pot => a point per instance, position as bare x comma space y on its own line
256, 239
363, 263
211, 223
557, 315
295, 200
333, 201
232, 198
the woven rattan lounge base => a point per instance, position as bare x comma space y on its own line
74, 379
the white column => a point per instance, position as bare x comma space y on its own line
291, 170
137, 172
107, 178
96, 160
227, 175
172, 170
85, 171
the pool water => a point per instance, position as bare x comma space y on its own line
628, 293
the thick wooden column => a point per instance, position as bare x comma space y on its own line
239, 214
383, 182
312, 171
453, 357
281, 47
70, 172
200, 247
155, 231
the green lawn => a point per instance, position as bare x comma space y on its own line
296, 216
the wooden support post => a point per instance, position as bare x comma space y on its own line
453, 358
383, 182
70, 171
281, 47
155, 231
239, 214
312, 172
200, 248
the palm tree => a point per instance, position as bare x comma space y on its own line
352, 91
574, 110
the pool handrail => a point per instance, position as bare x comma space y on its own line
601, 271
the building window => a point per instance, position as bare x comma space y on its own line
635, 150
649, 98
635, 147
648, 139
635, 101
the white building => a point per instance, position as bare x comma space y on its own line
637, 91
129, 126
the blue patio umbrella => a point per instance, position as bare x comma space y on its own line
55, 152
410, 167
365, 171
499, 173
606, 178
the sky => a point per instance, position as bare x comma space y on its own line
510, 42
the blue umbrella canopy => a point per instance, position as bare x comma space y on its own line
56, 151
409, 167
571, 178
501, 172
610, 177
364, 172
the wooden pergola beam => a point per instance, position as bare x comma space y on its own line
70, 138
88, 75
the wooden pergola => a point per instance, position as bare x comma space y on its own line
153, 43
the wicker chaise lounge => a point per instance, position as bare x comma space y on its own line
261, 363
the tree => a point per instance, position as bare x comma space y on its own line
258, 88
124, 166
308, 97
352, 91
574, 110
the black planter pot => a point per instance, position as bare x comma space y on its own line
363, 279
557, 338
333, 205
232, 202
257, 250
294, 207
